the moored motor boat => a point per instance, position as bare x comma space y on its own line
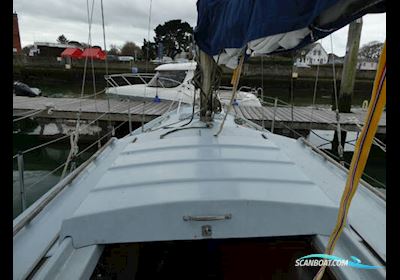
173, 82
21, 89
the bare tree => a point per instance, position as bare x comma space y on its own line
371, 50
114, 50
130, 48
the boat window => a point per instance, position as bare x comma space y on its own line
167, 79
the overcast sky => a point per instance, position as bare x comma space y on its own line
127, 20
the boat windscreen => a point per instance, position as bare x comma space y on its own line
167, 79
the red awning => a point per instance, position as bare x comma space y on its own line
95, 53
72, 52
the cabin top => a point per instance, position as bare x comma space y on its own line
177, 66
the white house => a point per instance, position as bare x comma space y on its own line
125, 58
313, 55
366, 64
334, 58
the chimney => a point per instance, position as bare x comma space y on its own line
16, 38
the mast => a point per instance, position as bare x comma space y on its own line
206, 70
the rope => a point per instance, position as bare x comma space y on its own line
73, 151
30, 115
360, 156
319, 136
340, 147
193, 106
235, 78
74, 137
170, 125
26, 113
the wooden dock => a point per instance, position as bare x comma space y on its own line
68, 108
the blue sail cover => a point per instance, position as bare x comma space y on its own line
271, 26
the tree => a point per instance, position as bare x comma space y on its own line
26, 49
371, 50
114, 50
84, 45
152, 50
131, 49
62, 39
174, 35
74, 43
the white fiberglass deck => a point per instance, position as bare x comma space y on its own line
155, 182
157, 186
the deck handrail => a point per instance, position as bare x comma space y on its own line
110, 79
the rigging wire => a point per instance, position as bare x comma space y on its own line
66, 136
287, 105
106, 60
291, 92
348, 164
262, 90
329, 153
319, 136
74, 137
34, 112
340, 147
147, 62
93, 70
78, 155
376, 141
314, 94
104, 36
